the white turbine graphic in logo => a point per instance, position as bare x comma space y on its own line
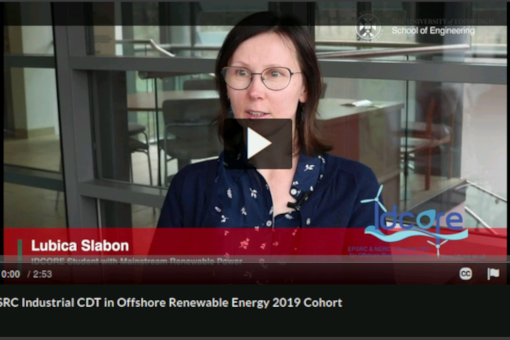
368, 27
437, 245
376, 199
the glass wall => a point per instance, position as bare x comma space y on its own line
424, 138
31, 127
141, 216
33, 185
146, 139
194, 29
31, 207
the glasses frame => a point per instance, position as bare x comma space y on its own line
261, 78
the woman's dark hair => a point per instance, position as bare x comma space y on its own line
287, 27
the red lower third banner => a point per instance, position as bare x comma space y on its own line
249, 255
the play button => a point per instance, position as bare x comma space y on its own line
259, 143
256, 143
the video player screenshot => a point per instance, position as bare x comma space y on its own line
255, 169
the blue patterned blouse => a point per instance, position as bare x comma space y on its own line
245, 198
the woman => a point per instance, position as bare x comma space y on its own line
266, 69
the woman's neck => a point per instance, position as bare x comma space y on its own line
276, 174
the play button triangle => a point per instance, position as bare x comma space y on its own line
256, 143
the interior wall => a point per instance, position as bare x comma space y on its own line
484, 142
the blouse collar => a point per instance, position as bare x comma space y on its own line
308, 172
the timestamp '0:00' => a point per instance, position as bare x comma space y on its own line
10, 274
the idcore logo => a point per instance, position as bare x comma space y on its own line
453, 222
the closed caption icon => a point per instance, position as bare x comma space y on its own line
466, 273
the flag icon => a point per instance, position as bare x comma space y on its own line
492, 272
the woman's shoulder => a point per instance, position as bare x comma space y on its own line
196, 171
347, 175
187, 195
342, 166
342, 173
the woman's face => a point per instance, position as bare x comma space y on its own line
257, 54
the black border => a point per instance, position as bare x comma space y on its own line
99, 13
375, 311
378, 311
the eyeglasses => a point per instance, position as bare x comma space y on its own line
274, 78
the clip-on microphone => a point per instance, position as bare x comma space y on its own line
297, 205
